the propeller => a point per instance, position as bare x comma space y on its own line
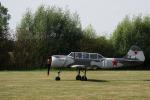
49, 60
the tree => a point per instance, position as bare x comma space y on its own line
48, 31
94, 43
89, 32
4, 47
135, 31
122, 36
4, 17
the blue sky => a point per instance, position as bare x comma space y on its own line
104, 15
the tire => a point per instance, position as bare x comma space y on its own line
84, 78
57, 78
78, 77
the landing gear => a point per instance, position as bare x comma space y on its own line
78, 77
83, 78
58, 77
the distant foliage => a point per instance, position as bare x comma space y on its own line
91, 42
52, 30
135, 31
48, 31
5, 42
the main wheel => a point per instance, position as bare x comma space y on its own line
78, 77
84, 78
57, 78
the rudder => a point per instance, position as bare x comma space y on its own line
136, 53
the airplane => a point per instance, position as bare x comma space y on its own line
84, 60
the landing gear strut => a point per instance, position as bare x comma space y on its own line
83, 78
58, 77
78, 77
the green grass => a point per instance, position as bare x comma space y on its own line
102, 85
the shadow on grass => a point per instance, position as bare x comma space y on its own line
96, 80
130, 80
89, 80
146, 80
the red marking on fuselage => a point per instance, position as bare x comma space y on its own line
114, 62
135, 52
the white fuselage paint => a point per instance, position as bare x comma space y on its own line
140, 55
64, 61
58, 61
135, 56
107, 63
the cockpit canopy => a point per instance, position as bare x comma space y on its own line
85, 55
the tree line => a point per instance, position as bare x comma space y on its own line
53, 30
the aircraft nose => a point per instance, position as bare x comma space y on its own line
57, 61
54, 61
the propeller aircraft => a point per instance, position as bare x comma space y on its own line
83, 61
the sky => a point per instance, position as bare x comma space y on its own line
103, 15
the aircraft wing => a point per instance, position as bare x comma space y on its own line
83, 67
78, 66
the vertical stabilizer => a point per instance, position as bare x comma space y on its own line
136, 53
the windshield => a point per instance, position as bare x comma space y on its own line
93, 56
100, 56
71, 54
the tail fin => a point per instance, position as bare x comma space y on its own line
136, 53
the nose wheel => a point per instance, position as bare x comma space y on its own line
58, 77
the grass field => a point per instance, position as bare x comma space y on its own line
102, 85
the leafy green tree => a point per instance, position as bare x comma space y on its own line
4, 47
135, 31
89, 32
94, 43
122, 36
25, 40
48, 31
4, 17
